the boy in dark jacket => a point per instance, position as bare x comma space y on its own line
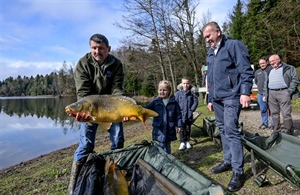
188, 103
168, 122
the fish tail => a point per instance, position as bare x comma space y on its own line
108, 164
146, 113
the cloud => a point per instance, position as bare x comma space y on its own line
58, 49
14, 68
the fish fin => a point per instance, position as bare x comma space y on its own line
106, 126
115, 160
145, 114
132, 118
124, 172
108, 164
125, 98
93, 118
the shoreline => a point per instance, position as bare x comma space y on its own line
68, 149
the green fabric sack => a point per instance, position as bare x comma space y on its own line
190, 181
211, 128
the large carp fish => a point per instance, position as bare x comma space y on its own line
105, 109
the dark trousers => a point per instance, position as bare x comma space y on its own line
227, 114
185, 133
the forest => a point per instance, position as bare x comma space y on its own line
165, 41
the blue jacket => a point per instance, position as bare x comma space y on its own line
168, 118
188, 103
229, 72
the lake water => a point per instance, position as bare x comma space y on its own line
30, 127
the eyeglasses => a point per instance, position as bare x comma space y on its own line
273, 61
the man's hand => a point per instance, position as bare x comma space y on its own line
210, 106
264, 99
245, 101
125, 119
178, 129
81, 117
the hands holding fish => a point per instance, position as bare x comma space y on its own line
85, 117
125, 119
81, 117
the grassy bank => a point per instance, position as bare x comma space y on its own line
49, 174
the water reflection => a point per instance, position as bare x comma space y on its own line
31, 127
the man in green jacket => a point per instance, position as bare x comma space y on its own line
97, 72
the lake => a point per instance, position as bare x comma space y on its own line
30, 127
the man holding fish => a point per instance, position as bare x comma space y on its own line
97, 72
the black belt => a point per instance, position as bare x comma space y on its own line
280, 89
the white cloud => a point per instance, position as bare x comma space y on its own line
12, 67
59, 49
7, 38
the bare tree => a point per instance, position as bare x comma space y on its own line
185, 27
142, 22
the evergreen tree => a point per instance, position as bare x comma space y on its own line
237, 21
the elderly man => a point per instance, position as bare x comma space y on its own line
280, 88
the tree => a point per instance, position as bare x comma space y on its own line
272, 26
237, 21
142, 22
166, 29
185, 28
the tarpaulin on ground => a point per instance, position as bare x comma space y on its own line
162, 173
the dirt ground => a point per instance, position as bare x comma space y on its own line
251, 120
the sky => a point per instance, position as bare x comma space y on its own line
37, 36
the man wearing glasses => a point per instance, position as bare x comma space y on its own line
280, 88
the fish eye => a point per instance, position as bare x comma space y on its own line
78, 106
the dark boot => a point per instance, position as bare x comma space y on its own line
221, 168
276, 124
288, 127
236, 182
76, 167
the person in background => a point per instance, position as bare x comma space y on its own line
97, 72
259, 79
188, 103
204, 74
168, 122
230, 79
279, 89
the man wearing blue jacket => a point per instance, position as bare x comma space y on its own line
229, 79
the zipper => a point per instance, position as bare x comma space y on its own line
214, 66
